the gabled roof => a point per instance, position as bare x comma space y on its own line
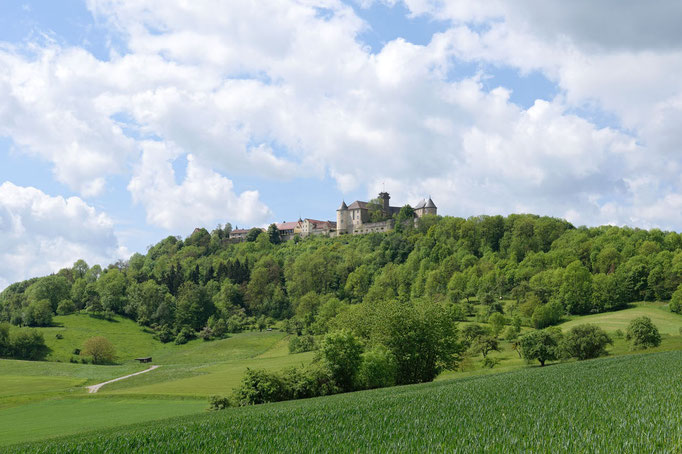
430, 204
287, 225
321, 224
239, 231
358, 205
421, 204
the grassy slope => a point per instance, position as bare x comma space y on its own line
36, 393
666, 321
199, 368
130, 340
201, 381
620, 404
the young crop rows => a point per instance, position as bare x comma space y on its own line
625, 404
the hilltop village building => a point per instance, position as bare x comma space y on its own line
353, 219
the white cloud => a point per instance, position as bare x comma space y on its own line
282, 90
203, 198
40, 234
46, 108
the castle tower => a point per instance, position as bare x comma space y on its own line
342, 219
430, 207
385, 205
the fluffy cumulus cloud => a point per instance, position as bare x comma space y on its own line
613, 59
295, 76
281, 90
202, 198
40, 234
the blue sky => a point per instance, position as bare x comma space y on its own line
140, 120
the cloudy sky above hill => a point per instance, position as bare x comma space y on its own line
123, 122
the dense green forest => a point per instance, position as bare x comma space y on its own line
208, 286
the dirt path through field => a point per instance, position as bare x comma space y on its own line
95, 388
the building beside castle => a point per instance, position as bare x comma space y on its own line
355, 218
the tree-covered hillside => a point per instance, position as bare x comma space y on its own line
207, 285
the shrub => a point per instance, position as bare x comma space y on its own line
261, 386
165, 335
28, 344
378, 369
66, 307
219, 402
218, 326
676, 301
100, 349
547, 315
206, 333
5, 342
185, 335
497, 322
512, 332
235, 324
643, 333
300, 344
310, 381
585, 342
38, 313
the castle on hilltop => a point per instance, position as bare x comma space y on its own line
350, 220
355, 219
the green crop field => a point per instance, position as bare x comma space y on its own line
51, 418
620, 404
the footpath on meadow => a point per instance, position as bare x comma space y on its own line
95, 388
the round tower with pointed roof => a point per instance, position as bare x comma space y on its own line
430, 207
342, 219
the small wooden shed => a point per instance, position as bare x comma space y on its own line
147, 359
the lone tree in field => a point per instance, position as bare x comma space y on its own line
101, 350
586, 341
541, 345
342, 353
643, 333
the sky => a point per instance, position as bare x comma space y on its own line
124, 122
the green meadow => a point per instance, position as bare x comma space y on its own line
618, 404
666, 321
40, 400
43, 399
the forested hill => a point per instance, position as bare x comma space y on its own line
206, 285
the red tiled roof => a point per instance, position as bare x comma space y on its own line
287, 225
321, 224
